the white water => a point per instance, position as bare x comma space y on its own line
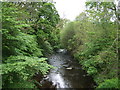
58, 80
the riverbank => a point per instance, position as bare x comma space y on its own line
95, 48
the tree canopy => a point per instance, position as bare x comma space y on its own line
28, 33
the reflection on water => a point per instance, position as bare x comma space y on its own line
68, 73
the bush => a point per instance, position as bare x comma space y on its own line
20, 69
109, 83
92, 71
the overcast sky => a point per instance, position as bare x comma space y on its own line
69, 8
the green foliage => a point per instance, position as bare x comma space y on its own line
27, 38
44, 24
67, 34
21, 84
23, 44
101, 11
92, 70
92, 39
109, 83
18, 63
22, 68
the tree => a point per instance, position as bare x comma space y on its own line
23, 42
92, 39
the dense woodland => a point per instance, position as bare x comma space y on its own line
29, 34
31, 31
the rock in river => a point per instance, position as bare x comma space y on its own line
69, 68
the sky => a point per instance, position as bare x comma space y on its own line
69, 8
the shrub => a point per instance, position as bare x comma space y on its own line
109, 83
20, 69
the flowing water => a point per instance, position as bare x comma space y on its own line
68, 72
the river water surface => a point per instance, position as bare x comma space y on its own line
68, 72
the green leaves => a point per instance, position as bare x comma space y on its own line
101, 11
25, 67
92, 71
28, 31
21, 63
110, 83
91, 38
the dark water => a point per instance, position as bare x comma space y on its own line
68, 72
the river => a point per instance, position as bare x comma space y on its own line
68, 72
